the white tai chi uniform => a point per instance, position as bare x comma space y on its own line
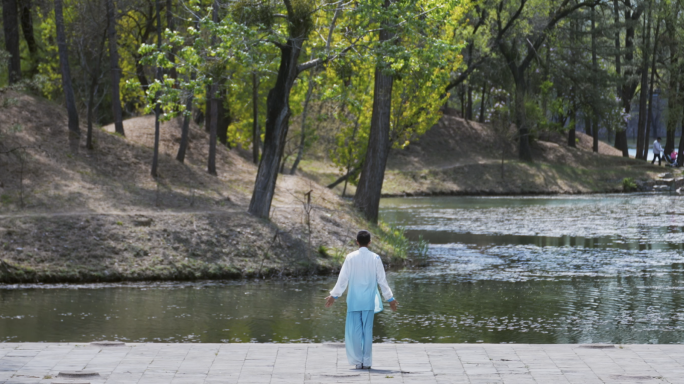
363, 272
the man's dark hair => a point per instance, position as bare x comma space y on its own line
658, 138
363, 237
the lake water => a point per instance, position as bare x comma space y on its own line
579, 269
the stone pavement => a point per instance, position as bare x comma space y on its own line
327, 363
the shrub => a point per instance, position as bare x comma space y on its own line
628, 184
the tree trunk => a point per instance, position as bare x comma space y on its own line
27, 26
469, 103
157, 108
674, 113
171, 26
214, 97
207, 111
94, 82
483, 102
669, 141
307, 99
643, 94
369, 189
74, 129
185, 129
256, 132
115, 70
594, 63
680, 152
368, 192
140, 72
588, 128
221, 126
629, 86
620, 134
10, 20
649, 113
91, 102
595, 136
524, 149
277, 118
572, 138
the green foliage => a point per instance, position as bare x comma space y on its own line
254, 13
419, 249
628, 184
300, 18
323, 251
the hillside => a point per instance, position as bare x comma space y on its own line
459, 157
71, 214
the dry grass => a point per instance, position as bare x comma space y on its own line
73, 214
464, 157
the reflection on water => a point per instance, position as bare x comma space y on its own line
582, 269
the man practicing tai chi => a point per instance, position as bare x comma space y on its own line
363, 272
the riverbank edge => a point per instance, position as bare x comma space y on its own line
16, 273
501, 194
89, 247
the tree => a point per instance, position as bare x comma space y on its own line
300, 24
185, 129
629, 85
307, 100
642, 145
27, 30
214, 99
369, 190
74, 128
10, 19
115, 70
649, 113
88, 34
157, 107
511, 44
256, 131
405, 107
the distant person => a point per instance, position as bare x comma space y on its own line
657, 150
363, 272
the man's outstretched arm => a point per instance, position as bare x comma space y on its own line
340, 287
384, 287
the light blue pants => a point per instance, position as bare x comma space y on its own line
358, 337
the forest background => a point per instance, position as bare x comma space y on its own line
349, 79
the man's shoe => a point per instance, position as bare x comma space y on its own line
366, 367
359, 366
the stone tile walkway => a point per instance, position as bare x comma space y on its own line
327, 363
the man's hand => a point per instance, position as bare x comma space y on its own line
329, 301
393, 305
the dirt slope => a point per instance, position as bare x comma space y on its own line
464, 157
71, 214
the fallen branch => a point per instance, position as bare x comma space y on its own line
345, 177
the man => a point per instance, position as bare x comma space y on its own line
657, 151
363, 272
